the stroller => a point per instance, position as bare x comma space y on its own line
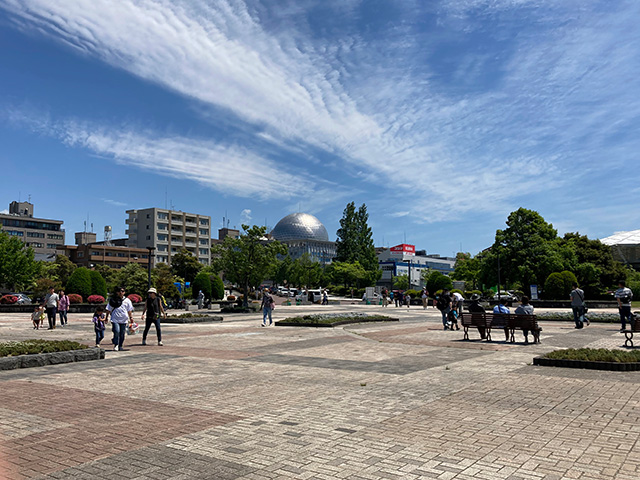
452, 319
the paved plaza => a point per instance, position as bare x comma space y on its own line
402, 400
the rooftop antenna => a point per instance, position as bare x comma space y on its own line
165, 197
29, 198
405, 237
19, 196
85, 226
91, 227
107, 235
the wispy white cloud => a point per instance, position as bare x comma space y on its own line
115, 203
4, 211
545, 101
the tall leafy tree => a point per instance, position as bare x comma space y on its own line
133, 277
164, 280
64, 268
467, 268
185, 265
248, 259
355, 241
17, 264
528, 251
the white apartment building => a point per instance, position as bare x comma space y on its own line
170, 231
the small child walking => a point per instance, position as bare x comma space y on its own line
98, 324
38, 317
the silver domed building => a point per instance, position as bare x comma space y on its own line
304, 233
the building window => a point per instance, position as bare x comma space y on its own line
162, 237
204, 242
162, 226
162, 216
147, 227
15, 233
203, 251
53, 236
37, 235
80, 254
204, 231
204, 221
148, 237
148, 216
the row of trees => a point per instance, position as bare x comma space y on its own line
530, 252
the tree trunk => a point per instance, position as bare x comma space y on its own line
245, 298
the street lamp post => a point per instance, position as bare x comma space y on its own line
151, 249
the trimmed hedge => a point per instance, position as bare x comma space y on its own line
95, 299
80, 282
28, 347
595, 355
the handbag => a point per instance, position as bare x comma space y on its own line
133, 328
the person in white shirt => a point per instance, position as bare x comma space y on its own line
457, 302
121, 311
51, 305
624, 296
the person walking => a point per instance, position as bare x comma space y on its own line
577, 305
51, 306
98, 324
153, 308
624, 296
457, 300
444, 305
325, 298
267, 307
63, 307
200, 299
425, 298
120, 309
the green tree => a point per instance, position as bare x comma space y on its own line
304, 271
528, 251
64, 268
185, 265
41, 286
281, 274
437, 281
348, 274
134, 278
202, 282
164, 280
217, 288
109, 275
17, 264
80, 282
355, 242
401, 282
98, 284
467, 268
248, 259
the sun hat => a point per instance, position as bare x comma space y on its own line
475, 296
152, 290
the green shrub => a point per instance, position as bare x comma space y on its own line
217, 288
75, 298
413, 293
595, 355
455, 290
98, 283
558, 285
201, 282
10, 349
80, 282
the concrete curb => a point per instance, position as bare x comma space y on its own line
55, 358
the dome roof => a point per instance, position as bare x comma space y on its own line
623, 238
300, 226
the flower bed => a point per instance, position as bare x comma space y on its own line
332, 319
135, 298
8, 299
95, 299
74, 298
192, 318
568, 316
591, 358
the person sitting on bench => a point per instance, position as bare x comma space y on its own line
525, 309
475, 307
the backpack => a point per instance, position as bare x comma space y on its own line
443, 302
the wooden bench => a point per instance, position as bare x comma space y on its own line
508, 322
628, 333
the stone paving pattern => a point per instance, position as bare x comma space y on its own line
402, 400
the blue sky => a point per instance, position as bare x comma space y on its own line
441, 116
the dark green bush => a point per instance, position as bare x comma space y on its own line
558, 285
201, 282
80, 282
10, 349
217, 288
98, 284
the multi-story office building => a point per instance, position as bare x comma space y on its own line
43, 235
170, 231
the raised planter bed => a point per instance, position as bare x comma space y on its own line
591, 358
332, 320
54, 358
611, 366
192, 319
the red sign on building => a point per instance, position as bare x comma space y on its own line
403, 249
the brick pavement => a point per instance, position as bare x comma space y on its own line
373, 401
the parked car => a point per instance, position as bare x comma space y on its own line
508, 296
22, 298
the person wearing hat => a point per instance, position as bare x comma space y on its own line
475, 307
153, 308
